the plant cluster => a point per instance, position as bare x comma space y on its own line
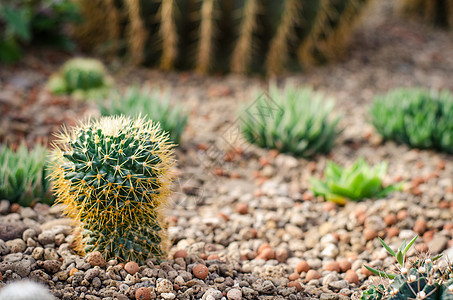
23, 22
435, 12
416, 117
113, 176
357, 182
23, 175
260, 35
155, 104
83, 78
423, 279
291, 120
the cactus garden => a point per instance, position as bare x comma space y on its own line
226, 150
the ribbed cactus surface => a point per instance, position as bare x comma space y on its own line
435, 12
222, 35
113, 176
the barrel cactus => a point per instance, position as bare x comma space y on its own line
435, 12
82, 78
113, 176
222, 35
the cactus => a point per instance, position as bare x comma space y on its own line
25, 290
23, 175
435, 12
83, 78
423, 279
113, 176
226, 35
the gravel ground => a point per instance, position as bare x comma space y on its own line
246, 213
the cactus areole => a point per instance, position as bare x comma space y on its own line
113, 177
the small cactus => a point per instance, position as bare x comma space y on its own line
82, 78
113, 176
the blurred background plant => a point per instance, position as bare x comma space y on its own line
82, 78
221, 35
358, 182
419, 118
291, 120
152, 103
23, 22
435, 12
23, 175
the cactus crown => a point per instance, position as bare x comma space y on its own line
113, 175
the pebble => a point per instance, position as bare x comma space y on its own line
295, 284
302, 266
180, 254
143, 293
345, 265
351, 276
312, 274
95, 258
131, 267
46, 237
11, 230
16, 245
234, 294
333, 266
4, 248
242, 208
200, 271
438, 244
164, 286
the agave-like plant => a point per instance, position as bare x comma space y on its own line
292, 120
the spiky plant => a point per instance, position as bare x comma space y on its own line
292, 120
113, 176
82, 78
23, 175
226, 35
416, 117
435, 12
425, 278
154, 103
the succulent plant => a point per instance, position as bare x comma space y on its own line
155, 104
113, 176
425, 278
435, 12
357, 182
83, 78
25, 290
292, 120
222, 35
416, 117
23, 175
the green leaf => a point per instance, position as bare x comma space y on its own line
410, 244
387, 247
379, 273
17, 22
400, 258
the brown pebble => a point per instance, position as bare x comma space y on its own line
95, 258
345, 265
72, 271
441, 164
420, 226
242, 208
131, 267
200, 271
328, 206
262, 247
311, 166
235, 175
219, 171
308, 196
366, 272
295, 284
449, 190
204, 256
428, 236
332, 266
302, 266
402, 214
351, 276
422, 247
281, 255
264, 161
448, 226
392, 231
176, 287
143, 293
390, 219
267, 254
14, 208
416, 191
312, 274
213, 257
293, 276
273, 153
420, 164
370, 233
444, 204
224, 216
180, 254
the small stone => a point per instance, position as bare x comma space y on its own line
200, 271
38, 253
302, 266
351, 276
422, 247
28, 213
420, 226
4, 207
168, 296
267, 254
95, 258
164, 286
262, 247
14, 208
131, 267
295, 284
242, 208
365, 271
393, 231
282, 255
29, 233
438, 244
16, 245
345, 265
332, 266
143, 293
402, 214
293, 276
51, 266
180, 254
339, 284
390, 219
370, 234
11, 230
50, 254
213, 257
234, 294
312, 274
46, 237
72, 271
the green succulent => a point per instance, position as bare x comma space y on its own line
292, 120
357, 182
83, 78
153, 103
424, 279
419, 118
23, 175
113, 177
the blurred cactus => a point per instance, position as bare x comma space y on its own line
223, 35
436, 12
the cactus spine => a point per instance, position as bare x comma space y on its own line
113, 176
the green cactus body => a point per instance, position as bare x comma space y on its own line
113, 176
230, 35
